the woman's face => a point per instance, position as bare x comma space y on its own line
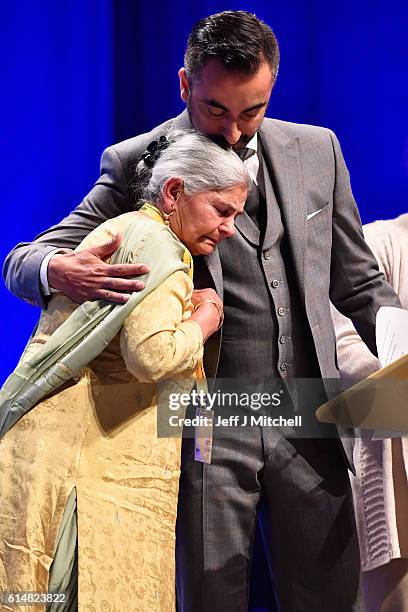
203, 220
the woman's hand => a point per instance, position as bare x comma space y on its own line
208, 311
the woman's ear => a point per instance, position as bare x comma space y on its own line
171, 193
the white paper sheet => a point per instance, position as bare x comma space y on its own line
391, 334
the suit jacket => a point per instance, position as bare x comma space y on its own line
331, 259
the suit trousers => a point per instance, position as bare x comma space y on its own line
312, 544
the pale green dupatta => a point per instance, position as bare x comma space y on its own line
91, 327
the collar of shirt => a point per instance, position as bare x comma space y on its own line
252, 160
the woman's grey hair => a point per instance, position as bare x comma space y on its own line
202, 164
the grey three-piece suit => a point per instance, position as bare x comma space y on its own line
276, 276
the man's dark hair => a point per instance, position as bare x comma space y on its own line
237, 39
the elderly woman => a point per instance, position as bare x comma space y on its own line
89, 491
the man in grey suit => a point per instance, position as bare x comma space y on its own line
298, 245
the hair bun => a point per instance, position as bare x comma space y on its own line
154, 150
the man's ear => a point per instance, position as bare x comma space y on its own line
184, 85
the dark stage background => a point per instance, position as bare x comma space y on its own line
80, 75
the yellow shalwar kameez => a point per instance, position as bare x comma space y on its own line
98, 434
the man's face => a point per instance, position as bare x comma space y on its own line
228, 106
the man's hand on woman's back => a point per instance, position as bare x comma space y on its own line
85, 276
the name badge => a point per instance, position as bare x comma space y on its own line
203, 435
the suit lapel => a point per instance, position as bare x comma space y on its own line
212, 346
214, 267
283, 160
247, 228
273, 213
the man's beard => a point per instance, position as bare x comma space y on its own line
218, 138
237, 147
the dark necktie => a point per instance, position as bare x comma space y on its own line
255, 204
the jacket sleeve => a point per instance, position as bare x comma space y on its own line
354, 358
357, 287
108, 198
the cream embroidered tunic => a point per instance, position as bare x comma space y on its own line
99, 435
